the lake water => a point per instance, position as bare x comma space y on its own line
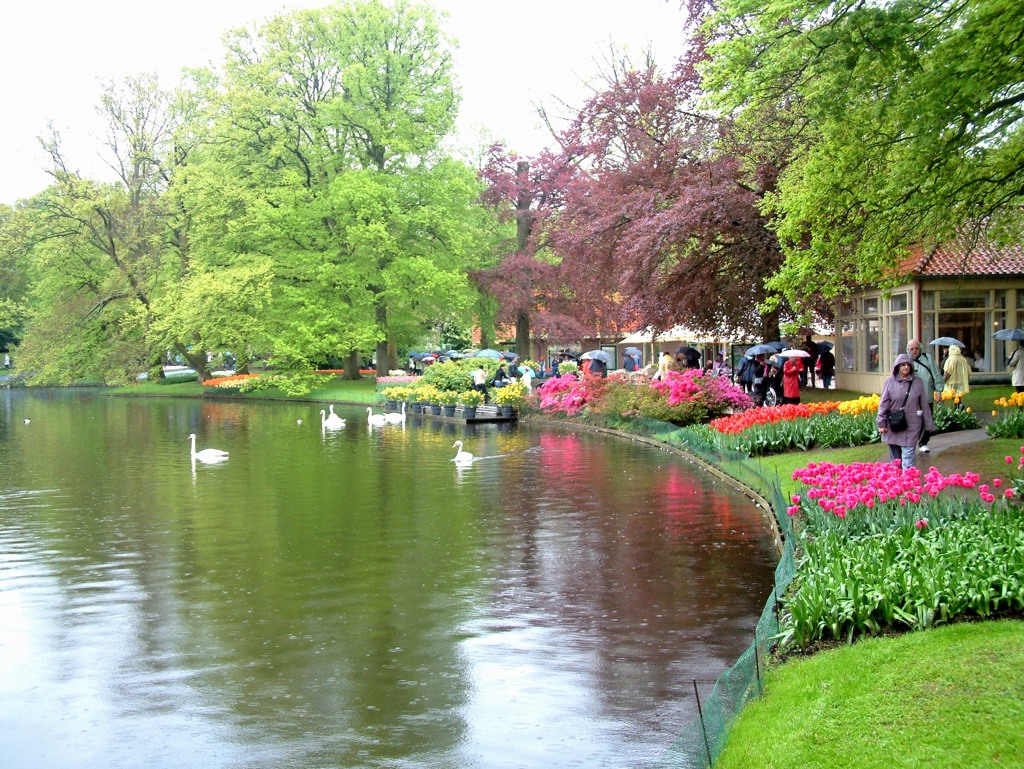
352, 598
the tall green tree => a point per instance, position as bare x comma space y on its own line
325, 160
900, 122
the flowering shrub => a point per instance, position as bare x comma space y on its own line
568, 395
337, 371
399, 380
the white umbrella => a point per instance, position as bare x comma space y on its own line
793, 352
947, 341
600, 355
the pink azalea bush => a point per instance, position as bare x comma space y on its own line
681, 398
567, 395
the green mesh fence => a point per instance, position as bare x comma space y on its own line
702, 740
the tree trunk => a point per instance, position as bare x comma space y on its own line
352, 365
197, 360
523, 335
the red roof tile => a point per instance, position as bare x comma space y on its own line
966, 256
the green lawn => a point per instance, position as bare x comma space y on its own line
949, 697
337, 390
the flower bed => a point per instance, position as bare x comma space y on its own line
229, 381
885, 548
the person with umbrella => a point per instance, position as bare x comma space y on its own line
1015, 363
759, 383
791, 373
957, 371
925, 369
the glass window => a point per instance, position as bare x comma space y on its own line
871, 338
928, 300
845, 357
962, 300
871, 306
899, 326
898, 303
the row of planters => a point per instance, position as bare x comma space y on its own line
444, 387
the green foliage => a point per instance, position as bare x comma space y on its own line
891, 122
952, 418
1009, 424
971, 563
829, 430
457, 374
289, 382
568, 367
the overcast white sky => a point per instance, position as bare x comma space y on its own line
55, 53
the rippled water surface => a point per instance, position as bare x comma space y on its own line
353, 599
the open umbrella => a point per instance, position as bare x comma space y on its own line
947, 341
685, 350
600, 355
1013, 334
488, 353
568, 354
823, 346
759, 349
777, 346
510, 355
794, 353
524, 369
633, 351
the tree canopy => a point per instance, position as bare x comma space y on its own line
897, 123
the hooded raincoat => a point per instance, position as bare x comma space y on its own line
919, 417
957, 371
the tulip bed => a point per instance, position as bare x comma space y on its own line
882, 548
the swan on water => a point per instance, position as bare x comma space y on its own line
461, 457
394, 418
206, 455
374, 419
331, 420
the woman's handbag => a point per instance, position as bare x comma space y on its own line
897, 418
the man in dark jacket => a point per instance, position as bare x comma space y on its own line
925, 368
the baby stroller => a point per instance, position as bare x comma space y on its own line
774, 395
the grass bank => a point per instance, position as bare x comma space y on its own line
949, 697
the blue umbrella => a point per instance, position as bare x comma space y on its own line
488, 353
760, 349
633, 351
510, 355
947, 341
777, 346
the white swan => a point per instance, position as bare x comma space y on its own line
374, 419
331, 420
394, 418
206, 455
461, 457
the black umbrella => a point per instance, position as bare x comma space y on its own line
687, 351
825, 346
